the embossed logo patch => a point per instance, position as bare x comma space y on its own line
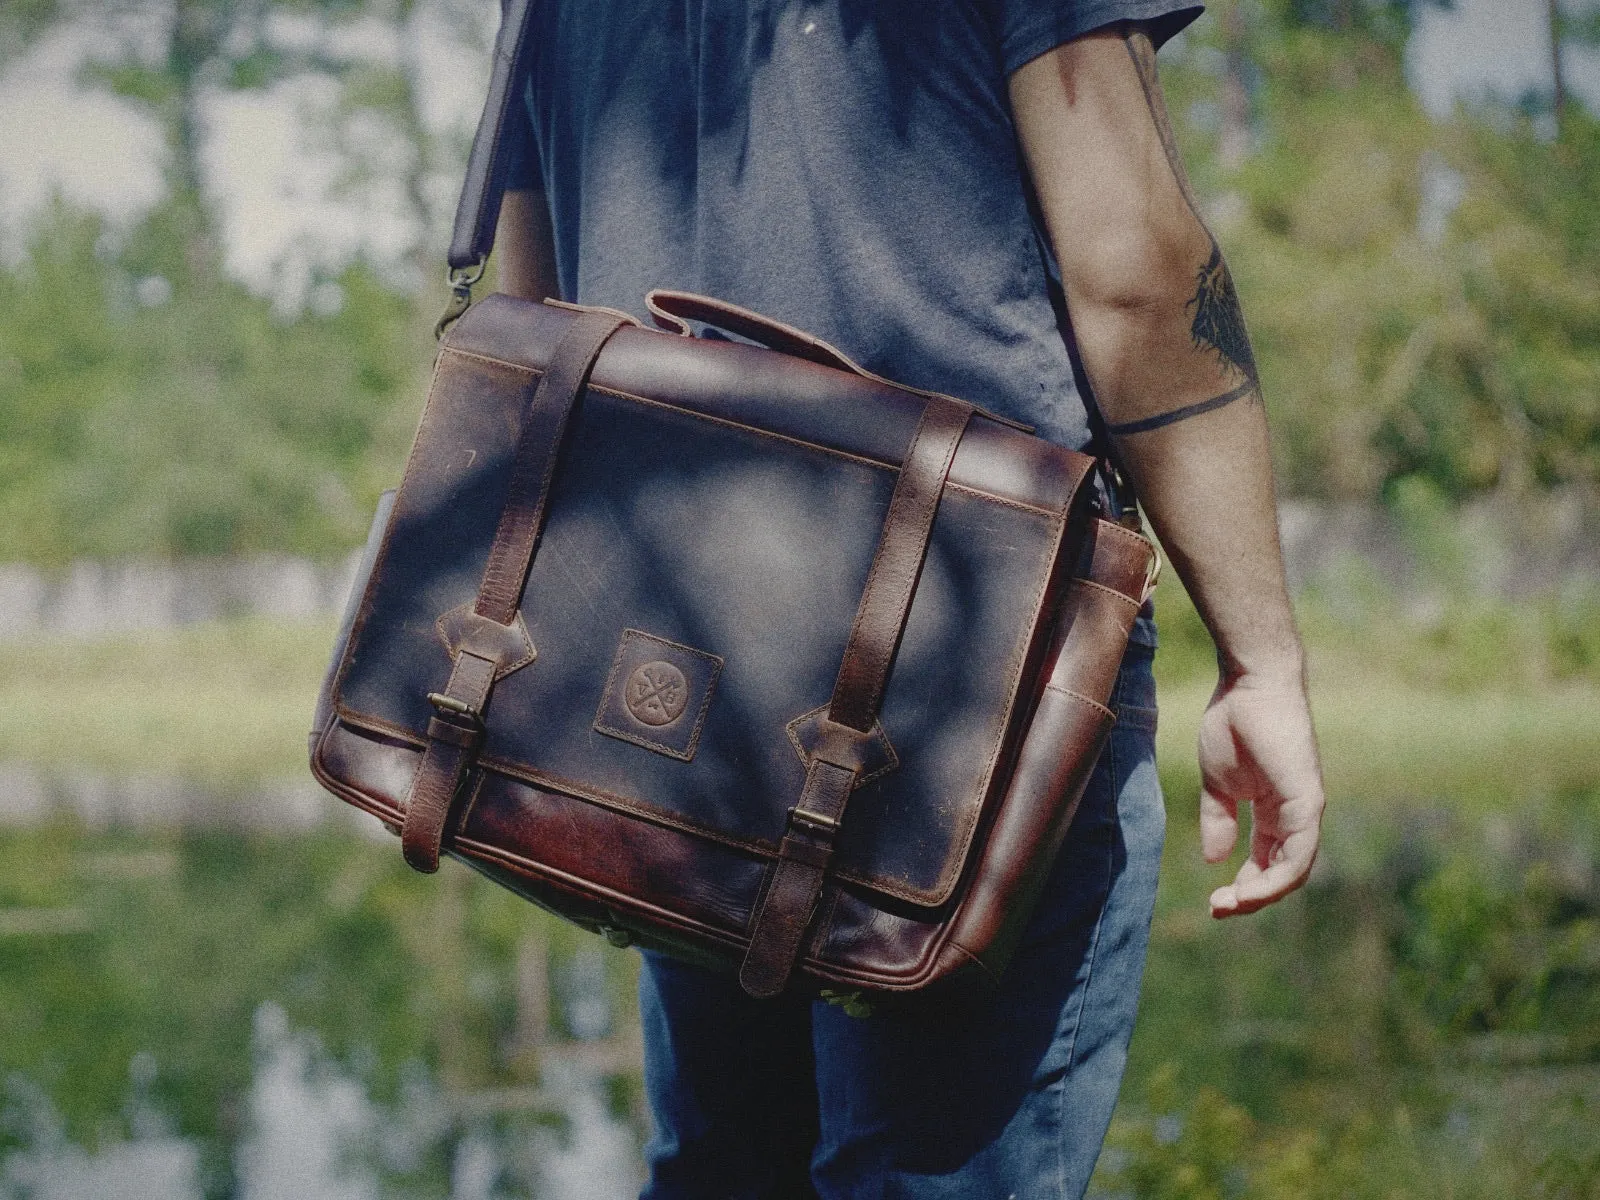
657, 694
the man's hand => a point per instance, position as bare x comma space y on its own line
1257, 748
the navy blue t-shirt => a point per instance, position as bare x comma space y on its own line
847, 166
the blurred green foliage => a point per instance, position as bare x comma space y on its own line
1422, 1021
180, 938
1401, 336
152, 409
225, 705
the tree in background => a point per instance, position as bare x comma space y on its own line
1425, 298
1567, 28
176, 57
152, 405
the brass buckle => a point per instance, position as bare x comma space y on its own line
449, 705
1152, 573
815, 822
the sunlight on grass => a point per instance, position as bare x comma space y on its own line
220, 704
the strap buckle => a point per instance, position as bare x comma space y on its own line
449, 706
814, 822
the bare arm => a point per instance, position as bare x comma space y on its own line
1163, 341
525, 251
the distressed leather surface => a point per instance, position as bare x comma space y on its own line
676, 513
692, 896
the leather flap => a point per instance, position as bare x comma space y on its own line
711, 526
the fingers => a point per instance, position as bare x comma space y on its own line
1219, 825
1258, 885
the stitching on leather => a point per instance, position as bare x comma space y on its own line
500, 671
951, 872
489, 358
624, 804
372, 724
793, 730
828, 972
1113, 527
881, 465
1080, 581
739, 425
619, 394
588, 889
568, 306
953, 867
980, 494
1081, 699
688, 752
659, 747
514, 770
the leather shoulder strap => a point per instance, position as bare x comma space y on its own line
478, 210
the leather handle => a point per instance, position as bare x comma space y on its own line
478, 210
672, 310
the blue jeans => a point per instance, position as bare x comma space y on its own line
1007, 1096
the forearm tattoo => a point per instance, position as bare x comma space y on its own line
1218, 322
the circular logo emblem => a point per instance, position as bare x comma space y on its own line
656, 693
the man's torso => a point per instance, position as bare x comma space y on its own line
847, 167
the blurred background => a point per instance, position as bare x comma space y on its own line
221, 232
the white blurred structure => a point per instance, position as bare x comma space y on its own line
89, 599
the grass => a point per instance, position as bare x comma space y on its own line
224, 704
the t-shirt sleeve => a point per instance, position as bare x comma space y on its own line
1029, 28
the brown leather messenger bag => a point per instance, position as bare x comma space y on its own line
736, 651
